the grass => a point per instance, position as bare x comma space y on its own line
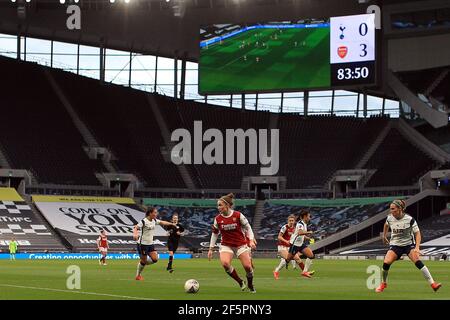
334, 279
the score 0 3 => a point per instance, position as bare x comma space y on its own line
352, 38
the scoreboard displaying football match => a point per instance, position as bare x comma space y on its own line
287, 56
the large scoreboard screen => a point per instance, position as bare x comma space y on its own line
287, 56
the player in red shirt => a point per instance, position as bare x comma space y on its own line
103, 246
248, 244
283, 246
235, 229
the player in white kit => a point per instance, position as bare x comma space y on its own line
298, 244
405, 239
145, 245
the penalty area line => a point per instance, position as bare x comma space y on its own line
76, 292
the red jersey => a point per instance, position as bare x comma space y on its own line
231, 228
102, 241
287, 233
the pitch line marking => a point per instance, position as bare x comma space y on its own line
74, 291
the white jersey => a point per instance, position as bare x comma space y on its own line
147, 228
296, 239
402, 230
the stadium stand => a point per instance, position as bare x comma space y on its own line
301, 140
307, 144
435, 227
418, 81
435, 238
422, 19
197, 215
198, 221
442, 92
439, 136
429, 82
34, 123
122, 121
398, 162
326, 219
183, 115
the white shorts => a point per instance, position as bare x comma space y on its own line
103, 250
283, 248
235, 250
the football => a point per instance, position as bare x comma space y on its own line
191, 286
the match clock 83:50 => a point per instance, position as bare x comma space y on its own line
353, 73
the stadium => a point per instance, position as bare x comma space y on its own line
112, 108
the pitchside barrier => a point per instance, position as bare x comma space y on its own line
163, 256
371, 257
85, 256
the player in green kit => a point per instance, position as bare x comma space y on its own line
12, 249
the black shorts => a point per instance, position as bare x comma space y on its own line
401, 250
144, 250
172, 245
295, 249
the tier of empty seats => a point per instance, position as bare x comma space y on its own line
198, 220
419, 81
122, 120
313, 148
439, 136
182, 114
36, 133
442, 90
435, 227
308, 157
398, 162
325, 221
434, 232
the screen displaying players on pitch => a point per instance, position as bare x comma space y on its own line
287, 56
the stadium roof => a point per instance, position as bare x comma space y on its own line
155, 26
170, 28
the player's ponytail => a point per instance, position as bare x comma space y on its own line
228, 199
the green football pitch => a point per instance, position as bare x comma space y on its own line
267, 59
334, 279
